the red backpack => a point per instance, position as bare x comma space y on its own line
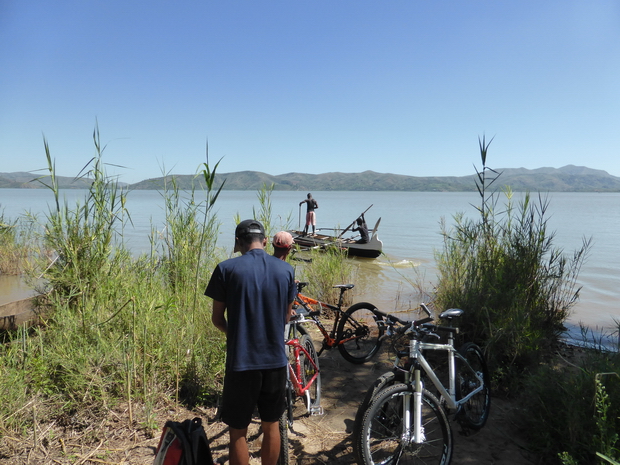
183, 443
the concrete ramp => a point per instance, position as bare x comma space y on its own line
18, 313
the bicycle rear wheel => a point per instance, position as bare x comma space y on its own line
358, 333
382, 439
308, 370
474, 413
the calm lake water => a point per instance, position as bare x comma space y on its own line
409, 229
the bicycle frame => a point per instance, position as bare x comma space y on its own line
294, 376
329, 337
295, 373
448, 395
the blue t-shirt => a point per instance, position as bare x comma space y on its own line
257, 289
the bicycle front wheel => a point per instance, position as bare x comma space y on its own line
295, 331
283, 459
308, 371
358, 333
383, 438
382, 382
472, 373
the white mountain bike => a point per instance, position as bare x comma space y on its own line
404, 423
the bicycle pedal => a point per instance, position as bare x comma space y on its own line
316, 411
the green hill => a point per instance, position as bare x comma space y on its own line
566, 179
25, 180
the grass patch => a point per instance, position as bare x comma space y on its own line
123, 330
577, 415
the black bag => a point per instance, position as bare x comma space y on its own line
183, 443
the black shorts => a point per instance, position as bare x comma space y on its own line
245, 390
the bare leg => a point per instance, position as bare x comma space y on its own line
270, 450
238, 449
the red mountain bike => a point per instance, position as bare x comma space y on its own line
303, 380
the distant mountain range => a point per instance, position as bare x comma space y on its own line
569, 178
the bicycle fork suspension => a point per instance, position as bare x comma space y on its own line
418, 429
413, 431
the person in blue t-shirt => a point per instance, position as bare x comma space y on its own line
252, 301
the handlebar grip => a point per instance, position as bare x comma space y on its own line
448, 329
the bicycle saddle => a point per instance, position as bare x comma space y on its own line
451, 313
344, 286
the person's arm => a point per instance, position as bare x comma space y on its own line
218, 317
289, 312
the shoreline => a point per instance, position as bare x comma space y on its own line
13, 289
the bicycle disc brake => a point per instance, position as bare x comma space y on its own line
359, 332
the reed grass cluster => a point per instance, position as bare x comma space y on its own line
122, 332
323, 270
120, 329
517, 291
15, 250
502, 268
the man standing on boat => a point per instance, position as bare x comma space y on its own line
311, 205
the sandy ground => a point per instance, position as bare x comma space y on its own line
324, 439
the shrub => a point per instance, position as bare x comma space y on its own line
516, 288
326, 269
576, 415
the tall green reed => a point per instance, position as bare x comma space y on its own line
83, 235
516, 288
272, 223
265, 210
190, 254
121, 328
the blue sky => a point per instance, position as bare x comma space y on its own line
306, 86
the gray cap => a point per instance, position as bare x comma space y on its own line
249, 227
245, 228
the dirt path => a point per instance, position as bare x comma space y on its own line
324, 439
